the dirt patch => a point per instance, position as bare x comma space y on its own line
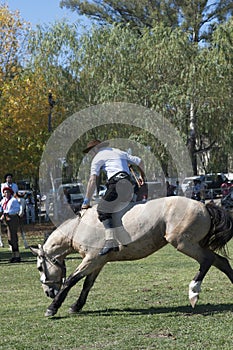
33, 234
38, 229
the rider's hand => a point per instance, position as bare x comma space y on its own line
86, 204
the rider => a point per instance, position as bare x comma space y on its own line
115, 163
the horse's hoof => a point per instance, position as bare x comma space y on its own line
49, 313
72, 311
193, 301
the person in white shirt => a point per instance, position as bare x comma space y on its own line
30, 208
10, 208
9, 183
115, 163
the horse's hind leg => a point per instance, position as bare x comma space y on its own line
223, 265
214, 259
205, 258
88, 283
195, 284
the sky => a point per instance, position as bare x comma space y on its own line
40, 11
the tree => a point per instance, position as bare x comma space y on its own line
160, 70
197, 19
54, 51
25, 86
136, 13
24, 124
13, 38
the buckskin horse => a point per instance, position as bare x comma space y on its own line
195, 229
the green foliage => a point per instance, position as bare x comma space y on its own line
136, 13
197, 18
120, 66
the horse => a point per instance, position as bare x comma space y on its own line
195, 229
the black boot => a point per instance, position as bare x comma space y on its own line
111, 245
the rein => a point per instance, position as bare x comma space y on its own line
54, 262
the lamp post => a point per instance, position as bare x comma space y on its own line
51, 105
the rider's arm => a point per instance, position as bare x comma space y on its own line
90, 191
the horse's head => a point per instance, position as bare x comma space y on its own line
52, 271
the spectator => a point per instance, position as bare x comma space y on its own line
189, 190
203, 188
196, 194
1, 242
22, 203
9, 213
178, 190
63, 204
219, 181
9, 183
170, 189
30, 208
225, 187
67, 195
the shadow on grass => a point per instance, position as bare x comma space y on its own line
26, 257
203, 309
186, 311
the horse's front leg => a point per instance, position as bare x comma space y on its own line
87, 285
60, 297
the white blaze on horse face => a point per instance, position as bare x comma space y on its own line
39, 263
43, 278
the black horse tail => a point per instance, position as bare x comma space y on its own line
221, 230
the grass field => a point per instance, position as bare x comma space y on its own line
133, 305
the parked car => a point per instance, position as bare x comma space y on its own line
188, 181
76, 193
102, 190
155, 189
211, 180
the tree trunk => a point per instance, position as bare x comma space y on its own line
192, 139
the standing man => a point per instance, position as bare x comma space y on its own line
9, 183
10, 208
115, 163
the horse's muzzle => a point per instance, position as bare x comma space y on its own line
51, 293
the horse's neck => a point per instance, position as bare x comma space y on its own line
59, 244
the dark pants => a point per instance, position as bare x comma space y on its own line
119, 193
12, 222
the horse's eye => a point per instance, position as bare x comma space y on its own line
40, 268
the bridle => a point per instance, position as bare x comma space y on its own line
54, 262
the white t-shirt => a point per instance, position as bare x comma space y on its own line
112, 161
12, 206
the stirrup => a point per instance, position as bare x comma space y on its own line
111, 245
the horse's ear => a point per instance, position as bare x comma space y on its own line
35, 250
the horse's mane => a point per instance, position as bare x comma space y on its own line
75, 220
221, 229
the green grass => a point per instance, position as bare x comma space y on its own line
133, 305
